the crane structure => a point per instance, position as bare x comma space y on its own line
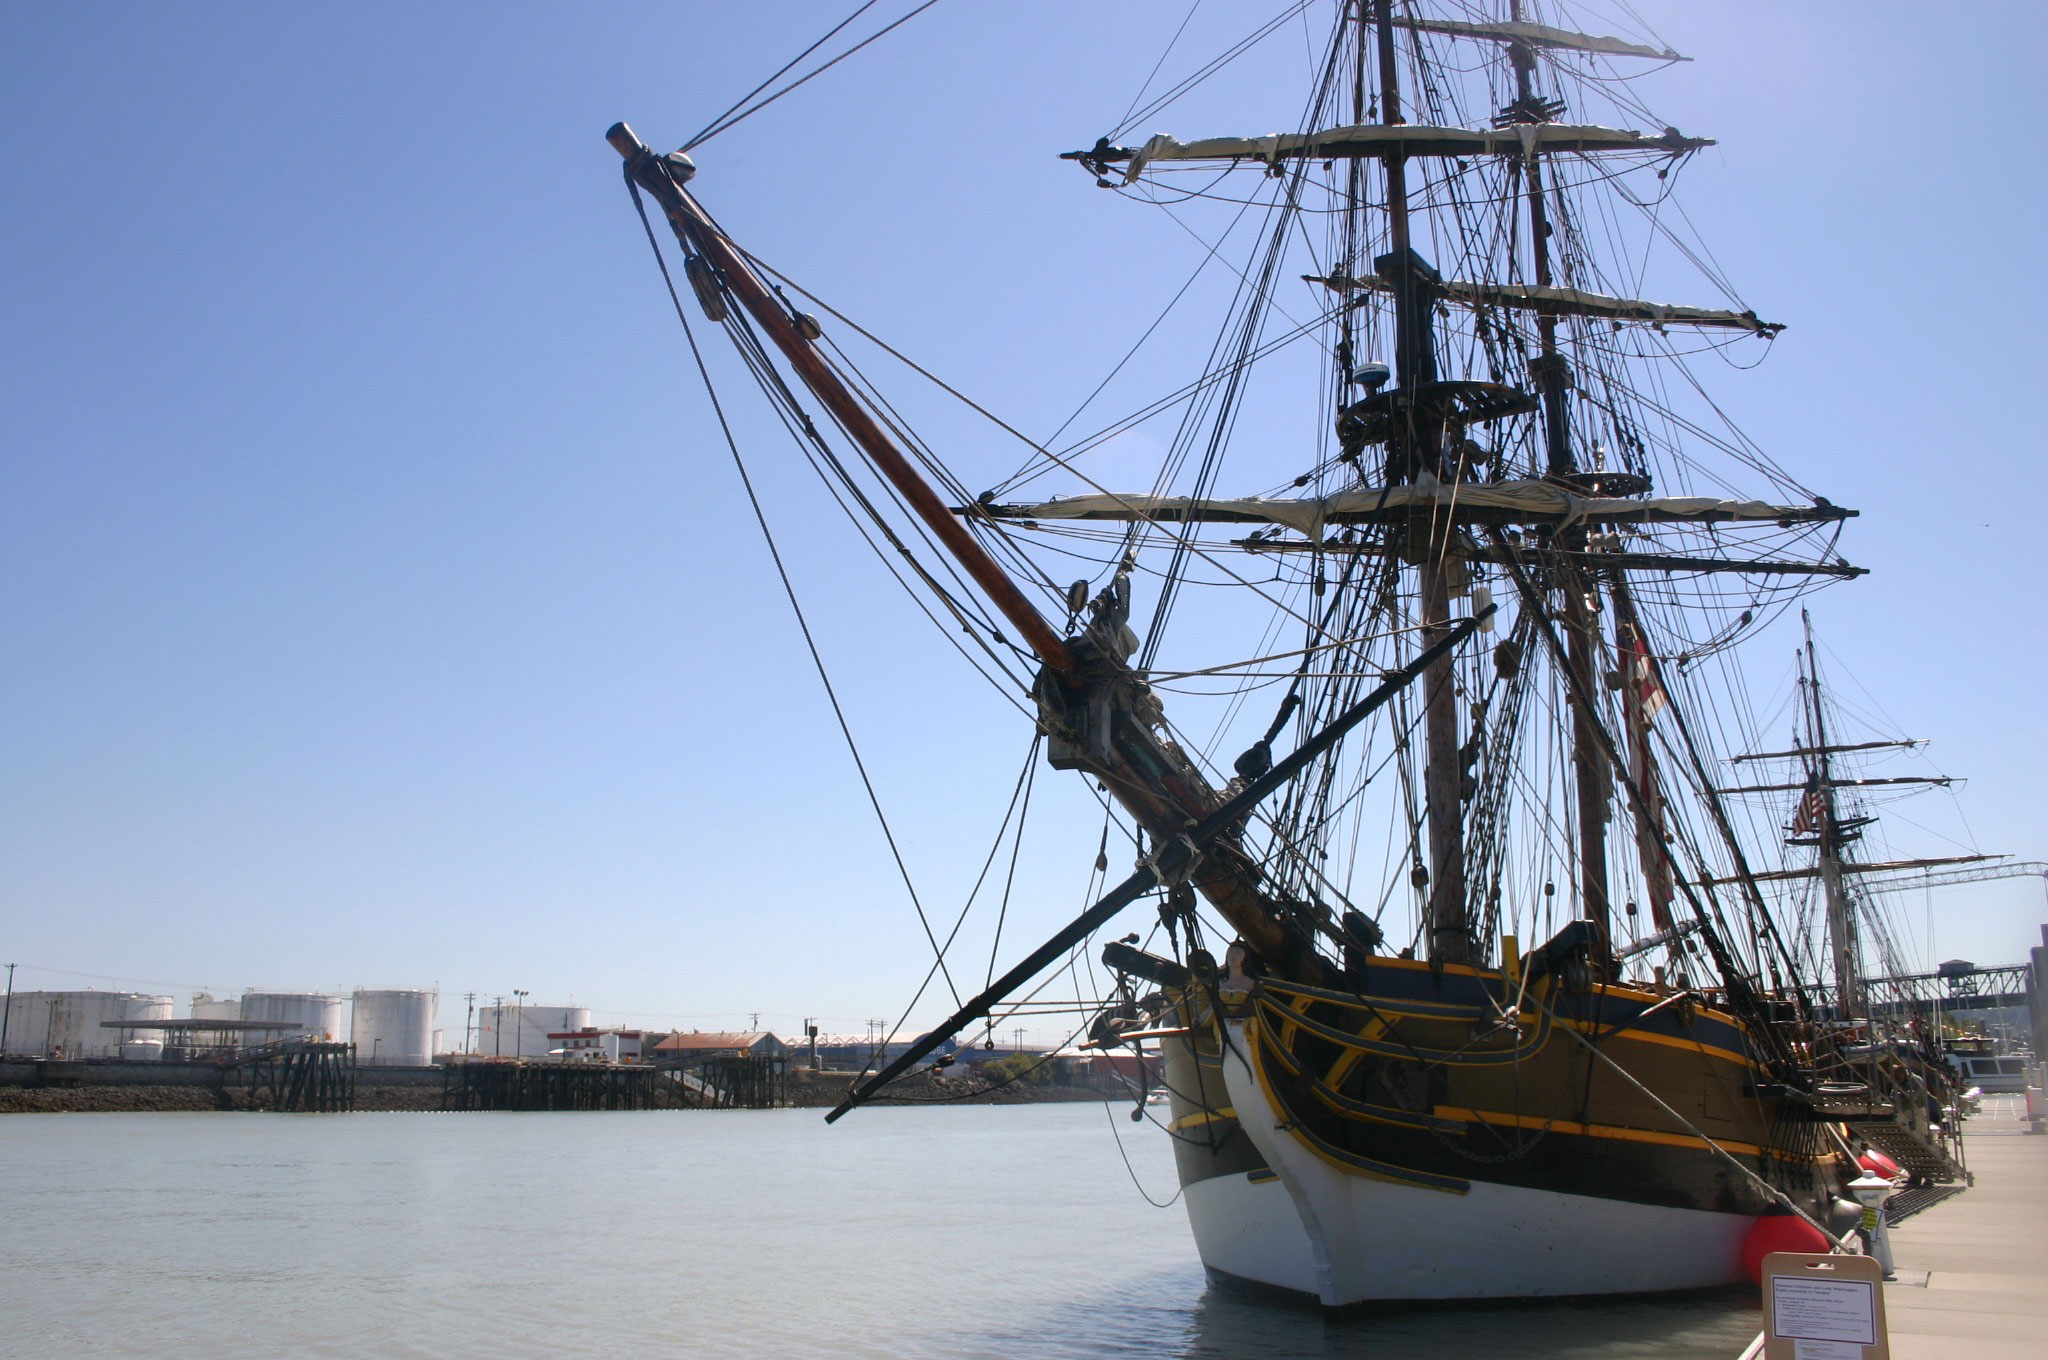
1957, 985
1949, 878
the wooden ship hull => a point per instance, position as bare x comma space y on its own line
1450, 1133
1354, 1125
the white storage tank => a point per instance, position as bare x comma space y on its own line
73, 1024
143, 1045
522, 1031
393, 1028
204, 1007
317, 1014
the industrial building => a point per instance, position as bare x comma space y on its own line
597, 1045
689, 1047
388, 1027
858, 1052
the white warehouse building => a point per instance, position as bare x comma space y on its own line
393, 1027
73, 1024
522, 1031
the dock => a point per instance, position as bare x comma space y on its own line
1973, 1270
513, 1085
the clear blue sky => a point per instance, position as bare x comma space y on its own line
376, 606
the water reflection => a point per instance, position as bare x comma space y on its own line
1179, 1314
1716, 1325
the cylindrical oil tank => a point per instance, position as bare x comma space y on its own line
317, 1014
143, 1045
522, 1031
205, 1007
73, 1024
393, 1028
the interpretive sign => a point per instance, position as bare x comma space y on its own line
1823, 1308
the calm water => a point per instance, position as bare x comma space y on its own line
965, 1232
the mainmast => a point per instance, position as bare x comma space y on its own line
1553, 375
1415, 448
1820, 796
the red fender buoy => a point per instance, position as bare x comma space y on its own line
1877, 1164
1779, 1232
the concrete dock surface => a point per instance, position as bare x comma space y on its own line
1973, 1270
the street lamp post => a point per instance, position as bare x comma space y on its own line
8, 1013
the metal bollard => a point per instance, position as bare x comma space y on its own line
1871, 1192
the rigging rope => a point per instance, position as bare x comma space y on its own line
788, 586
729, 117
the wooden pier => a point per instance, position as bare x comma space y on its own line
495, 1085
749, 1082
302, 1076
1972, 1279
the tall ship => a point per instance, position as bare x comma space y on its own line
1413, 692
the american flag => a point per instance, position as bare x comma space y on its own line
1812, 809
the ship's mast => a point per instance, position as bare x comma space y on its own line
1416, 446
1553, 375
1842, 939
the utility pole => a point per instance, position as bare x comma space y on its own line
519, 1035
8, 1013
811, 1033
753, 1022
1019, 1033
468, 1020
497, 1026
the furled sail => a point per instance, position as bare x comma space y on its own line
1511, 502
1538, 35
1396, 139
1567, 302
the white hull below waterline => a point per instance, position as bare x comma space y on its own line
1248, 1230
1370, 1240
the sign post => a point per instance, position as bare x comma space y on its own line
1823, 1308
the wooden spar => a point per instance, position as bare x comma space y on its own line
1634, 646
651, 173
1153, 781
1449, 936
1842, 932
1887, 867
1603, 561
1829, 750
1581, 603
1174, 859
1943, 780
